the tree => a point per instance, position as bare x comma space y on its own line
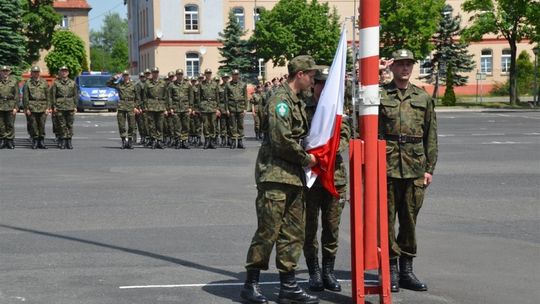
237, 52
510, 19
449, 98
68, 50
524, 76
409, 24
12, 42
39, 19
449, 51
296, 27
109, 46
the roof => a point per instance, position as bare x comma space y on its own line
71, 4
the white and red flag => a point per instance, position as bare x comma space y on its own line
323, 138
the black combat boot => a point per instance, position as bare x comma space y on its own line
130, 144
34, 144
407, 279
177, 144
199, 141
206, 143
143, 141
124, 145
240, 144
315, 277
160, 145
10, 144
291, 293
68, 144
184, 145
223, 142
234, 143
252, 290
211, 143
62, 143
41, 144
329, 279
2, 144
394, 275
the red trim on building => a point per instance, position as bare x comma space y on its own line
168, 43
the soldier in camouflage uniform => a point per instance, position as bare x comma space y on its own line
256, 110
208, 106
224, 119
195, 121
180, 108
280, 179
37, 104
221, 108
407, 121
127, 107
330, 207
9, 99
139, 117
235, 104
155, 101
64, 94
168, 125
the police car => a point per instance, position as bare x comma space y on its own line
94, 94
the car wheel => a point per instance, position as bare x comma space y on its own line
81, 110
112, 110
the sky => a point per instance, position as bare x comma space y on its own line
100, 8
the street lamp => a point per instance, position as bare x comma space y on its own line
261, 62
535, 93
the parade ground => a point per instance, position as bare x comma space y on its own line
101, 225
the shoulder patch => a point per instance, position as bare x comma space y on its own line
282, 109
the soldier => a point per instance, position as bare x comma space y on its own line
221, 121
64, 94
236, 102
127, 107
280, 179
9, 99
256, 110
155, 104
139, 117
180, 108
209, 108
330, 207
407, 121
168, 132
37, 104
195, 121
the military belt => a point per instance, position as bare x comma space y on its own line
403, 139
7, 98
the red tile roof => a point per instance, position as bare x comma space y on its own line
74, 4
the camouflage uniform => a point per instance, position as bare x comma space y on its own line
129, 101
224, 125
195, 125
155, 103
64, 94
257, 107
236, 102
9, 98
180, 102
36, 100
140, 117
207, 106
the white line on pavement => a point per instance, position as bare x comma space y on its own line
213, 284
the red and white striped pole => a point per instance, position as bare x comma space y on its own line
368, 112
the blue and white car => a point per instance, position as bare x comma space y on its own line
94, 94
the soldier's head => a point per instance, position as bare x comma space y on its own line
170, 76
125, 76
225, 78
301, 70
216, 79
34, 72
4, 72
155, 73
275, 81
63, 72
193, 80
142, 77
208, 74
403, 65
320, 79
235, 75
179, 75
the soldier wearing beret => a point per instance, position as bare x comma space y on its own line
37, 104
236, 101
127, 107
64, 95
9, 98
407, 121
279, 174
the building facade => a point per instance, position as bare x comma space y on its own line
172, 34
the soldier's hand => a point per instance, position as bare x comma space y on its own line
165, 113
218, 113
190, 111
171, 111
28, 113
385, 63
427, 179
14, 111
75, 110
313, 161
48, 111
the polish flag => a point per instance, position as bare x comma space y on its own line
323, 138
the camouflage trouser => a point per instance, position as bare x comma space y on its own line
237, 125
223, 125
65, 123
280, 221
195, 125
405, 198
7, 125
155, 124
36, 124
318, 198
168, 126
141, 124
181, 125
55, 126
257, 122
129, 117
209, 125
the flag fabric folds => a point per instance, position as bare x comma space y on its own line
323, 138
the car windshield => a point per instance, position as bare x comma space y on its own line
93, 81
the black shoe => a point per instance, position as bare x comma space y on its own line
223, 143
10, 144
315, 276
240, 145
123, 143
41, 144
211, 144
290, 292
234, 143
68, 144
329, 279
177, 144
129, 144
2, 144
407, 279
394, 275
252, 290
184, 145
160, 145
62, 143
206, 143
34, 144
143, 141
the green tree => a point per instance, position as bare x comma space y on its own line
119, 56
12, 43
409, 24
237, 52
524, 73
39, 19
109, 45
68, 50
448, 51
449, 98
296, 27
507, 18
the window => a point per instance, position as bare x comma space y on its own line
425, 66
505, 61
192, 64
65, 22
191, 13
486, 62
257, 13
239, 14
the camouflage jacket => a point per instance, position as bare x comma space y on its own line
257, 101
222, 106
410, 113
208, 97
180, 96
9, 94
128, 92
236, 96
140, 92
64, 95
36, 96
281, 157
155, 97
